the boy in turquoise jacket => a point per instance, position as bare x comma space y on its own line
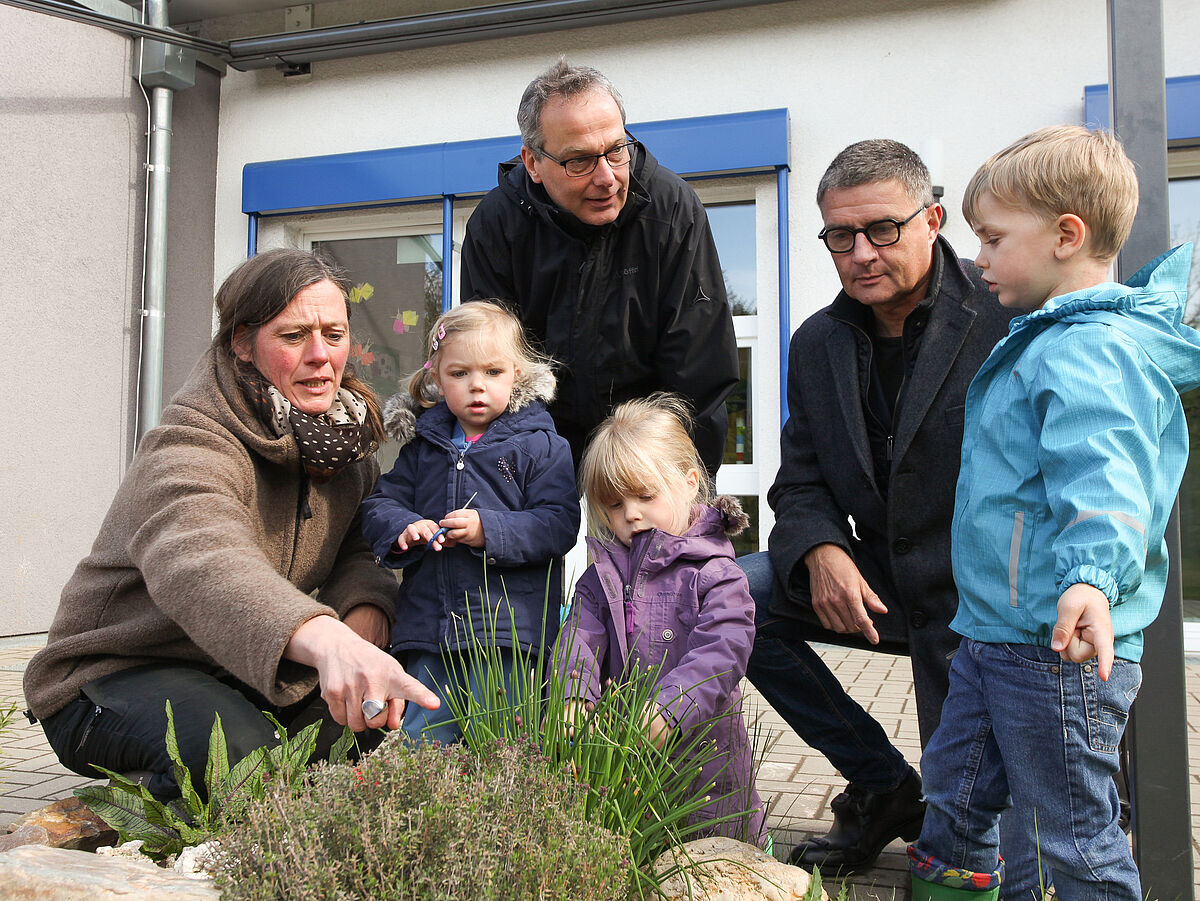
1074, 446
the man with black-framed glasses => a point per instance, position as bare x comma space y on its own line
860, 551
608, 259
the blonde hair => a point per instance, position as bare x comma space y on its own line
486, 326
643, 447
1064, 169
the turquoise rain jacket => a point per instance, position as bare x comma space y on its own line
1074, 446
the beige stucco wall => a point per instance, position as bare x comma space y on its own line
72, 138
189, 315
71, 232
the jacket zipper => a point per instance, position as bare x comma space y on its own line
449, 632
627, 590
586, 271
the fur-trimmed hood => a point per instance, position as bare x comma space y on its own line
735, 519
401, 410
708, 537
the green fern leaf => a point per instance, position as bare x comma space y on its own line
217, 769
242, 784
183, 777
301, 749
340, 752
134, 817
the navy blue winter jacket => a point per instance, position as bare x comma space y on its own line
528, 506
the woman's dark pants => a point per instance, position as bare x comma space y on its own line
120, 722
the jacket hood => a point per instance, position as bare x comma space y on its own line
1151, 305
707, 537
401, 410
228, 407
533, 200
734, 520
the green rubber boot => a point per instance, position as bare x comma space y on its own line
932, 891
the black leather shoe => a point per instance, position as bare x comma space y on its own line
864, 823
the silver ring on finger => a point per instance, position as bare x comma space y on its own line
372, 708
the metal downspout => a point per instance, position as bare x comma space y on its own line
1158, 735
154, 274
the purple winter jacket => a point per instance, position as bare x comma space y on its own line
689, 609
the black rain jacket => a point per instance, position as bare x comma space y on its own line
627, 308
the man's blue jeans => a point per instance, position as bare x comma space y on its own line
796, 682
1022, 726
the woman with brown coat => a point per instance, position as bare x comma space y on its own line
230, 575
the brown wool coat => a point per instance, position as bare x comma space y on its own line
205, 558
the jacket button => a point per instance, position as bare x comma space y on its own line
919, 619
491, 561
901, 546
668, 635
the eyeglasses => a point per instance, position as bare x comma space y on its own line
881, 233
579, 166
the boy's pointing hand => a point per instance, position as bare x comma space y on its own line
1084, 629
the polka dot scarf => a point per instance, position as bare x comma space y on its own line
326, 442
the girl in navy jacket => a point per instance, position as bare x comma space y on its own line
483, 448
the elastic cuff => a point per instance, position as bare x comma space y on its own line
930, 869
1096, 577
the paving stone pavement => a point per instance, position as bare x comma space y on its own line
796, 782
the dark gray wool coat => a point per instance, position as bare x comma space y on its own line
826, 475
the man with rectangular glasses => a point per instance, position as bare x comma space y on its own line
860, 551
608, 259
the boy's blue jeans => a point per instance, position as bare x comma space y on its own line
1022, 726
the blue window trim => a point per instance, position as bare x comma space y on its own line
1183, 107
705, 146
708, 145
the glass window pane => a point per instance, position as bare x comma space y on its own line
1183, 195
1184, 199
739, 440
397, 294
733, 230
747, 542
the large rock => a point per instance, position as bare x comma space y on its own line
723, 869
70, 824
39, 873
24, 835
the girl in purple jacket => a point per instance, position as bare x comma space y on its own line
664, 591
